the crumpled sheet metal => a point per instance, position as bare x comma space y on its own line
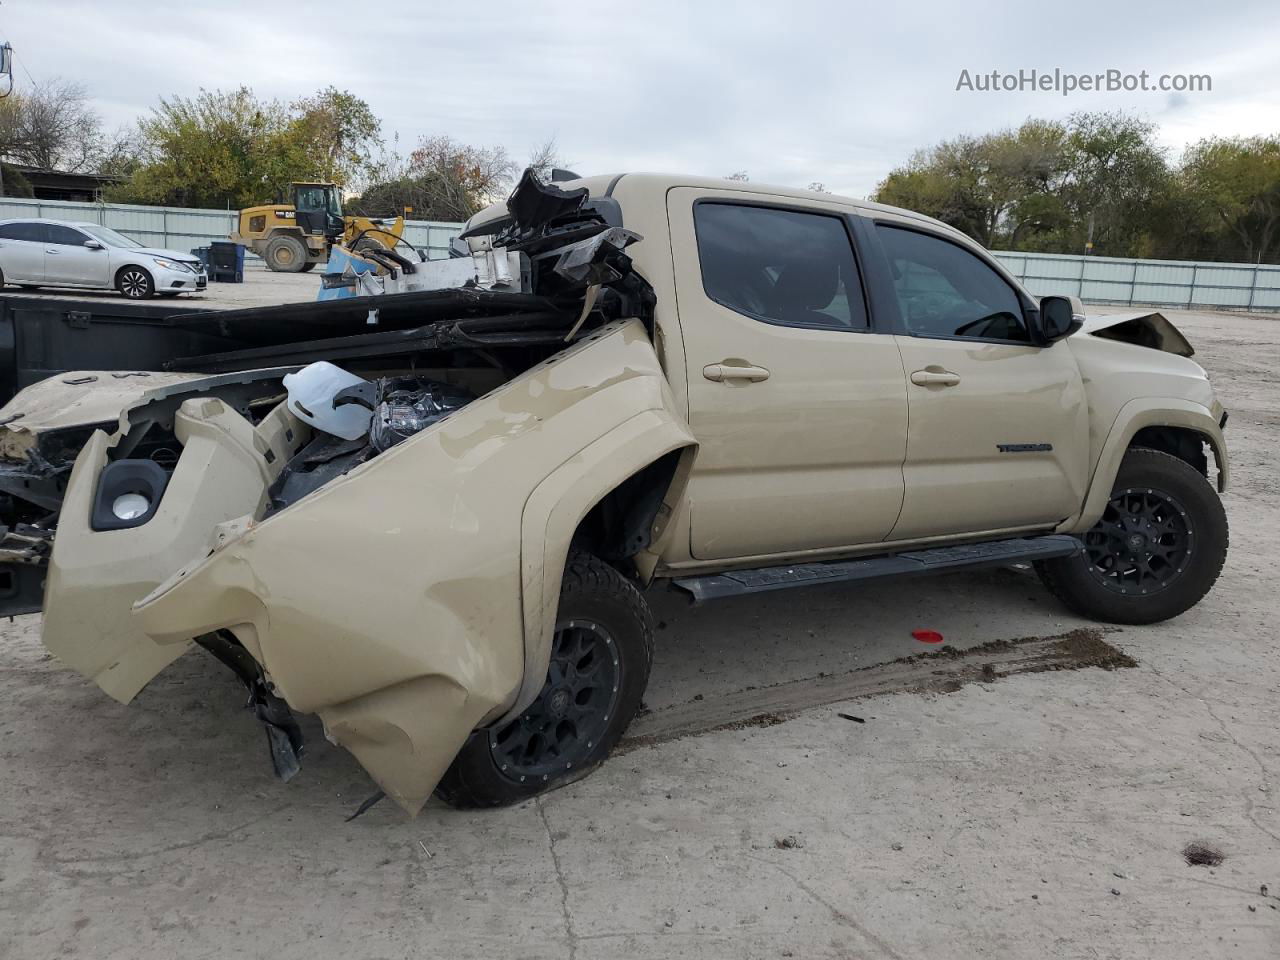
390, 600
96, 576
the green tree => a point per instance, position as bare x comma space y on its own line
338, 133
1237, 181
1041, 186
1116, 172
990, 186
231, 149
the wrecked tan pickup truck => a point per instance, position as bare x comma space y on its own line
429, 517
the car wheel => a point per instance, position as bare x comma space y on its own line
1156, 551
285, 254
600, 659
135, 283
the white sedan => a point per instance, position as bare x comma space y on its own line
55, 253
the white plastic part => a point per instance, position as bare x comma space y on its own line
311, 393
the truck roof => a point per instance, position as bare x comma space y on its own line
656, 185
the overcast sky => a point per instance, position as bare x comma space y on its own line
792, 92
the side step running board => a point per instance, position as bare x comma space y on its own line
914, 563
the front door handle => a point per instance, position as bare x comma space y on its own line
725, 371
936, 377
52, 250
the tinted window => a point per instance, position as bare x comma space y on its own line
66, 235
946, 291
28, 230
779, 265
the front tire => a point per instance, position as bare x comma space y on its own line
135, 283
1156, 551
600, 660
285, 254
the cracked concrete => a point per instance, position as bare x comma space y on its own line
994, 821
571, 938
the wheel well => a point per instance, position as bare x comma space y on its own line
621, 524
1180, 442
133, 266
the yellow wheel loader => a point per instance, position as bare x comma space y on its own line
293, 238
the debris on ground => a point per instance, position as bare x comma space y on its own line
788, 843
927, 636
1201, 854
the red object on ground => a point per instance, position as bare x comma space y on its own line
927, 636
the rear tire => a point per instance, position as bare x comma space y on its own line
285, 254
1157, 550
135, 283
600, 661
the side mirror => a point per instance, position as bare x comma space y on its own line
93, 244
1059, 317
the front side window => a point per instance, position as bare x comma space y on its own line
67, 236
946, 291
28, 230
780, 266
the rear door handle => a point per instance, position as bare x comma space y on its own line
935, 378
724, 371
51, 250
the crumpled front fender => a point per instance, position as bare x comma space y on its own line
95, 576
390, 601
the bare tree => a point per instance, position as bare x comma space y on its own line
442, 179
51, 126
545, 158
739, 175
817, 186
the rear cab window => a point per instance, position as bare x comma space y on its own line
780, 266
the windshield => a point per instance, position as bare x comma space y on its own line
318, 198
110, 237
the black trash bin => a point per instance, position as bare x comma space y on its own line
226, 262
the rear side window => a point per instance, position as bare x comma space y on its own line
66, 235
28, 230
780, 266
946, 291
